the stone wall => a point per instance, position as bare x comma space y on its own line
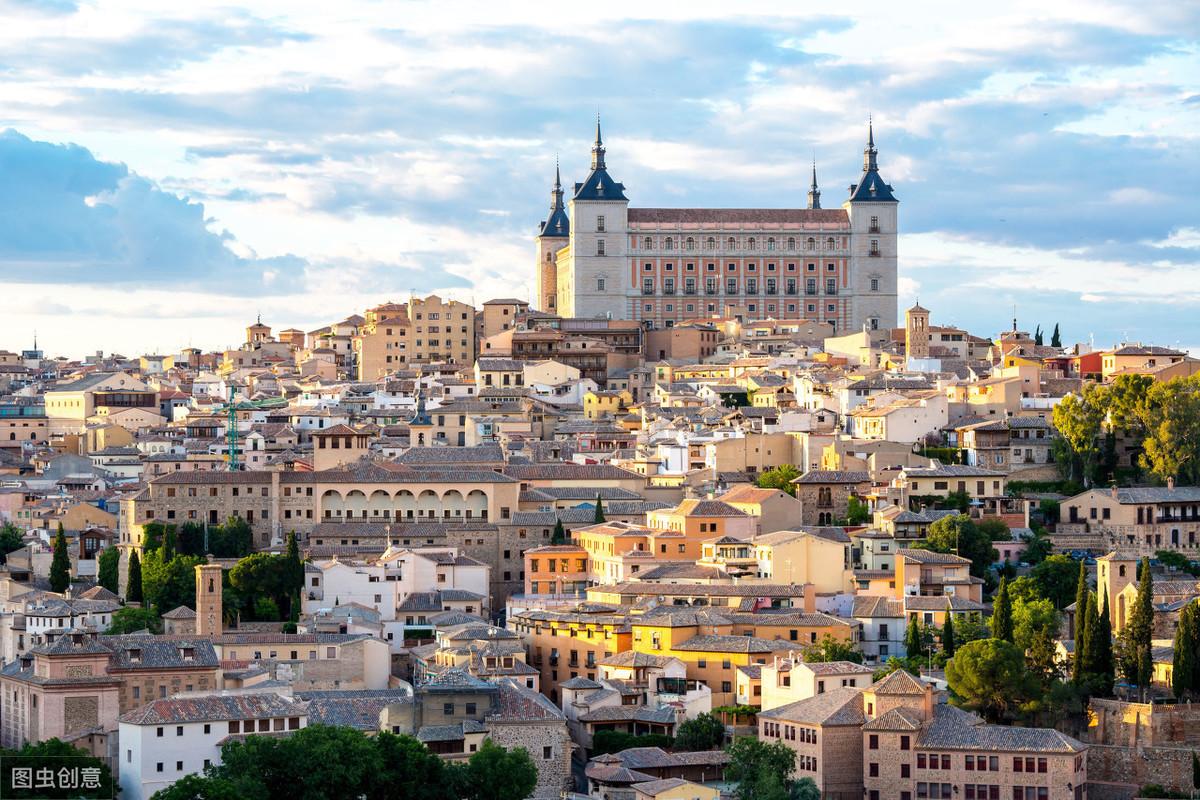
1116, 773
1138, 743
553, 764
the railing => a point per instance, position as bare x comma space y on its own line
873, 229
874, 254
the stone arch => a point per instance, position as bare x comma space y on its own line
332, 505
428, 504
379, 506
356, 504
405, 503
477, 504
453, 504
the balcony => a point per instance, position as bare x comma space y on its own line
873, 229
772, 291
791, 292
874, 254
647, 291
690, 290
710, 291
669, 290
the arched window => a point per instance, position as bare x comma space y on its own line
731, 243
711, 244
830, 243
649, 243
752, 244
670, 243
691, 243
771, 243
791, 243
812, 243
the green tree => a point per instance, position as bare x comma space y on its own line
1002, 613
702, 733
261, 575
1077, 418
1100, 644
170, 584
60, 564
11, 538
131, 619
995, 529
1055, 338
1136, 658
1042, 658
410, 770
1171, 413
294, 574
1056, 579
1187, 642
1079, 663
989, 676
1081, 599
1030, 618
55, 755
108, 569
598, 517
1037, 336
858, 513
948, 636
560, 534
757, 766
912, 638
1091, 637
780, 478
494, 773
959, 534
133, 587
831, 649
805, 789
198, 787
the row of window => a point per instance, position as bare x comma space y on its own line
769, 286
753, 307
872, 251
731, 243
733, 267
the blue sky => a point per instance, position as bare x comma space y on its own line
167, 173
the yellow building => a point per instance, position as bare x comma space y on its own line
704, 519
598, 404
1135, 358
820, 558
674, 789
569, 644
69, 406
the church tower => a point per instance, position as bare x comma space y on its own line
597, 273
208, 600
814, 194
872, 208
916, 333
552, 236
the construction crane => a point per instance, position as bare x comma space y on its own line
231, 429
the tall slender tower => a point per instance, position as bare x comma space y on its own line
916, 333
872, 208
814, 194
552, 236
597, 282
208, 600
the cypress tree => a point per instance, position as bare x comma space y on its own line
60, 565
1089, 659
1002, 621
599, 510
1055, 338
1102, 646
1183, 668
133, 588
1139, 664
560, 534
948, 635
912, 638
1081, 596
1079, 663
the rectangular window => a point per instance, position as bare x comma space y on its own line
600, 224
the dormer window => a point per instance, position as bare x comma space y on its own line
135, 655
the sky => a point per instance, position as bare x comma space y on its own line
169, 171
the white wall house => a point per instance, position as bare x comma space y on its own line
165, 740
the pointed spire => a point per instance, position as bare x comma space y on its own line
598, 147
556, 194
869, 153
557, 174
814, 194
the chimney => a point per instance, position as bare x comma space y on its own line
1171, 484
1114, 491
810, 598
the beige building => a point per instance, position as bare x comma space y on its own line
892, 741
1138, 521
498, 316
70, 406
421, 331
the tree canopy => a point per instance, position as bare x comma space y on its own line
780, 478
131, 619
343, 763
702, 733
56, 755
959, 534
60, 563
989, 676
108, 569
760, 769
1056, 579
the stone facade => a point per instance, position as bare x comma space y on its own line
1133, 744
549, 746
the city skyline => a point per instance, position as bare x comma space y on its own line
187, 169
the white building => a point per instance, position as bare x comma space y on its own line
165, 740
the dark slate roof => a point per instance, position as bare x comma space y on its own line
478, 454
833, 476
516, 702
841, 705
899, 682
717, 643
182, 612
159, 652
955, 731
213, 708
663, 715
358, 708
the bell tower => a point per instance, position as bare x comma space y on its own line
208, 600
916, 333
